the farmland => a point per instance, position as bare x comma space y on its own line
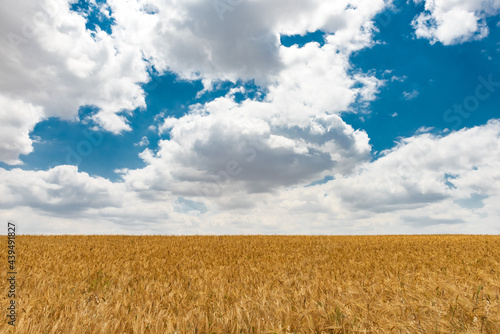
256, 284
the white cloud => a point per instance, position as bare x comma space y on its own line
212, 154
144, 142
59, 191
412, 175
17, 119
410, 95
64, 200
402, 192
398, 79
51, 62
454, 21
424, 129
189, 37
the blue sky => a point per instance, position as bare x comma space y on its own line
440, 75
379, 117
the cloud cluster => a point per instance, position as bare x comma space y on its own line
51, 62
223, 148
291, 136
231, 166
195, 40
17, 119
414, 173
426, 184
453, 22
59, 191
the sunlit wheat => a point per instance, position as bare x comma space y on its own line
257, 284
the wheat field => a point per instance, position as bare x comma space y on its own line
256, 284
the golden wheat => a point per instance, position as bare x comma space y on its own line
256, 284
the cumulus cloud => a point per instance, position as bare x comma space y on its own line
65, 200
412, 174
210, 153
61, 190
190, 38
17, 119
406, 189
52, 62
454, 22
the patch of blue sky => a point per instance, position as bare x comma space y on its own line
184, 205
96, 152
169, 95
251, 91
447, 182
423, 82
317, 36
322, 181
97, 13
244, 90
475, 201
